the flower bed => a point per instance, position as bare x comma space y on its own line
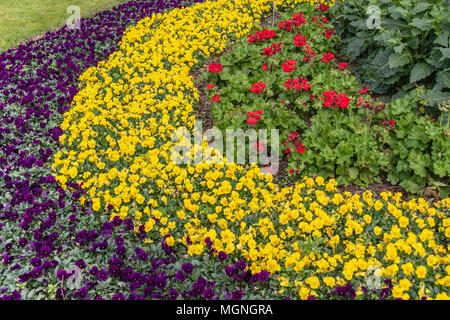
302, 241
328, 124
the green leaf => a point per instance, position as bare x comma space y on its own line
444, 78
354, 47
398, 60
440, 168
420, 7
422, 24
353, 173
436, 97
442, 39
445, 52
397, 12
420, 71
413, 185
399, 48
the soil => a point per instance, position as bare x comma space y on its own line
202, 112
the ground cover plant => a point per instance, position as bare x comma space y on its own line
405, 43
122, 220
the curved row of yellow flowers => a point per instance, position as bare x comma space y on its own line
117, 142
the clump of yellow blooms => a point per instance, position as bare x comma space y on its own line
118, 143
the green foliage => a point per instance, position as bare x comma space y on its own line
344, 146
411, 46
418, 148
357, 143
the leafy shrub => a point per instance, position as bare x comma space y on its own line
410, 47
344, 146
418, 148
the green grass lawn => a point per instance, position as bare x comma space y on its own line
23, 20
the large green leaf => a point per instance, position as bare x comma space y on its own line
379, 66
444, 77
436, 97
442, 39
420, 71
445, 52
397, 60
422, 24
397, 12
353, 173
420, 7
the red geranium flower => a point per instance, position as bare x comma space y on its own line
360, 101
289, 65
258, 87
301, 148
342, 101
216, 98
309, 51
363, 90
215, 67
209, 86
322, 7
343, 65
327, 57
252, 121
297, 84
300, 40
270, 51
260, 36
297, 20
254, 116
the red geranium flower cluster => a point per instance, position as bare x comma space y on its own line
327, 57
343, 65
253, 117
258, 87
328, 33
300, 40
297, 20
215, 67
322, 7
390, 123
216, 98
332, 98
209, 86
289, 65
265, 67
360, 101
324, 19
364, 90
270, 51
297, 84
295, 140
309, 53
260, 36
